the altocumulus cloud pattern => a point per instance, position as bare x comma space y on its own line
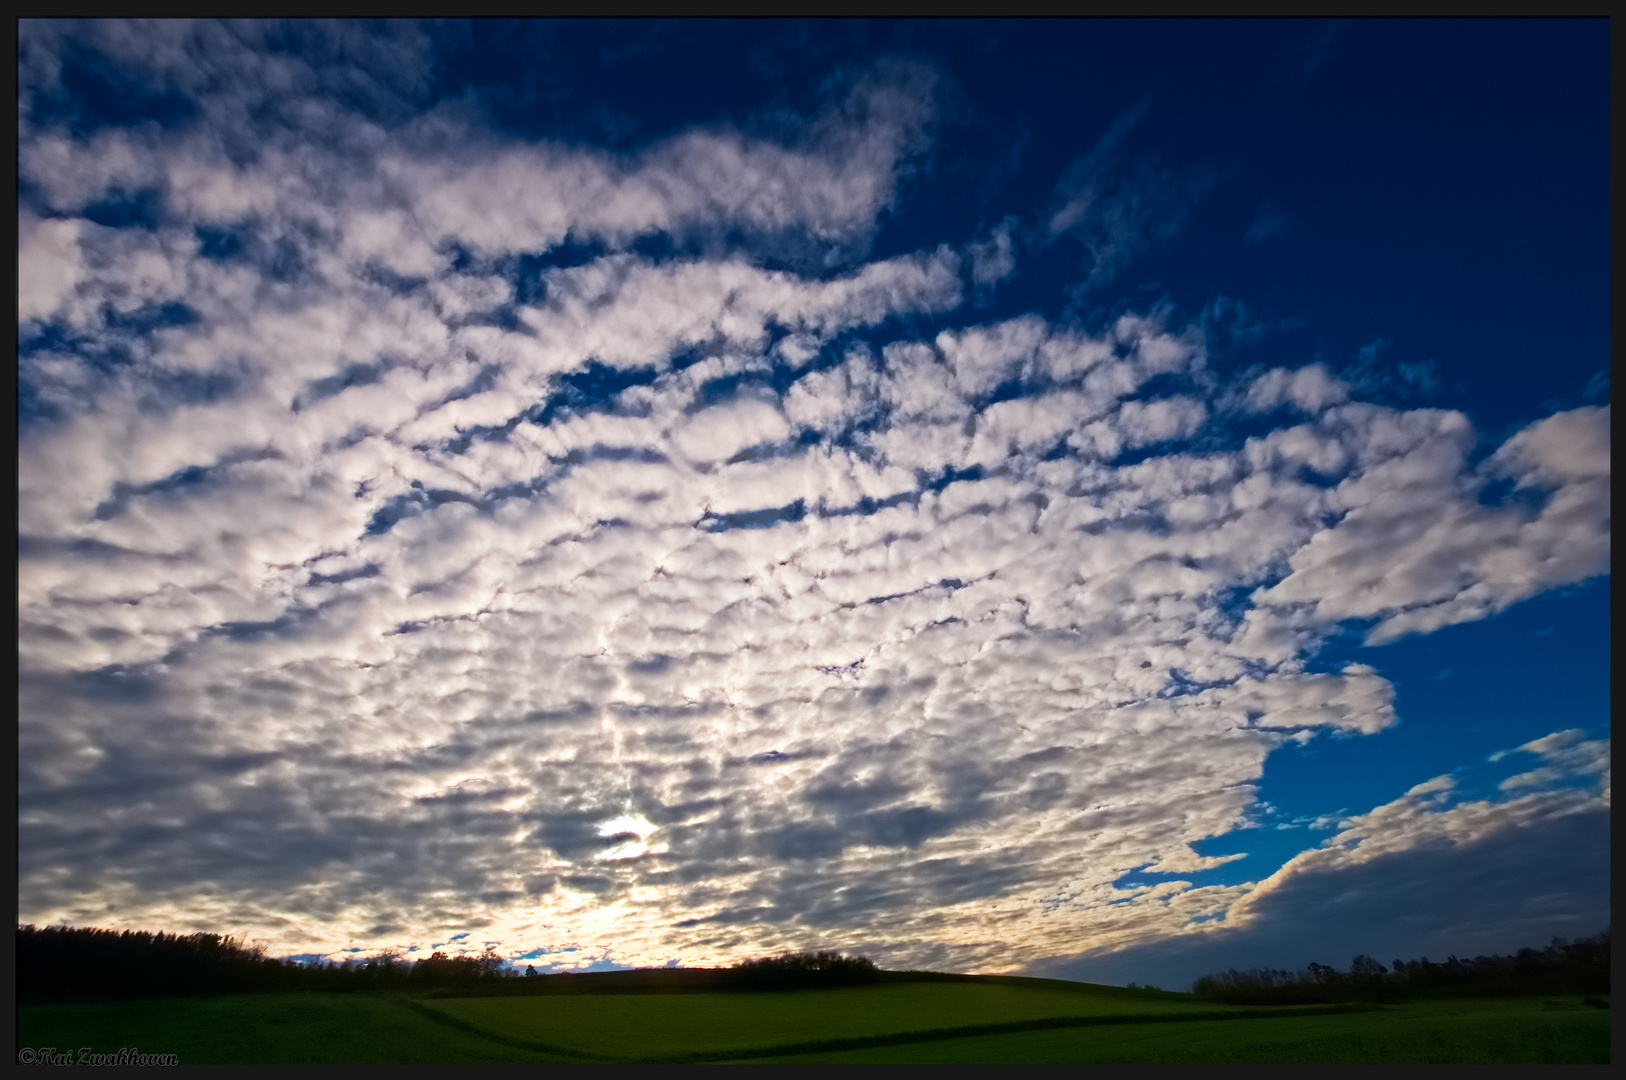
599, 554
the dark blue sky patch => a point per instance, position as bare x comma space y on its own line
285, 261
397, 283
286, 625
593, 388
1228, 433
1165, 385
277, 250
1058, 452
857, 433
412, 504
35, 408
121, 683
421, 499
1181, 684
149, 319
951, 584
1312, 477
97, 93
1233, 603
181, 481
218, 243
754, 519
650, 665
1146, 521
1139, 877
1497, 492
1507, 492
354, 375
166, 391
936, 482
1265, 845
484, 380
38, 336
524, 489
868, 505
1009, 390
1506, 678
504, 317
489, 432
721, 389
791, 447
1162, 448
126, 210
84, 547
583, 455
354, 574
528, 273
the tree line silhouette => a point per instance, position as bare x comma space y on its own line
80, 962
1563, 967
88, 962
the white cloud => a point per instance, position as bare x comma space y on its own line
1566, 754
994, 259
361, 597
397, 194
1159, 420
723, 430
1310, 389
48, 264
1417, 550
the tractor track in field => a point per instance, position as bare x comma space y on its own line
864, 1042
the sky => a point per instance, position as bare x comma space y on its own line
1111, 500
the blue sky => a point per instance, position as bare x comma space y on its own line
1113, 499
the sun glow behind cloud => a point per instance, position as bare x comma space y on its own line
378, 583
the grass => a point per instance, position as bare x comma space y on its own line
294, 1028
908, 1022
1484, 1030
692, 1025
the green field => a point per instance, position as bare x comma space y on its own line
709, 1025
1020, 1021
1518, 1030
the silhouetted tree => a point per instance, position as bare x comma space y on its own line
1563, 967
438, 969
803, 970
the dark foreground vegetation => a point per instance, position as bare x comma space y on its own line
944, 1022
203, 998
62, 962
1564, 967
